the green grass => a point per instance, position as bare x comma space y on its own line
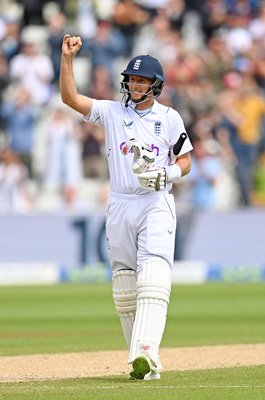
218, 384
216, 314
62, 318
69, 318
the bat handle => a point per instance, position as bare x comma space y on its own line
178, 145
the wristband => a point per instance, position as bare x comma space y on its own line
173, 173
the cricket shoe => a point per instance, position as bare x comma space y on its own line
144, 368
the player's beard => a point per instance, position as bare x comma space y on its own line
128, 94
144, 96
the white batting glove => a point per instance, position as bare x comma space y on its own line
157, 178
143, 156
154, 179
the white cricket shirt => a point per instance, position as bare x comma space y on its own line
160, 128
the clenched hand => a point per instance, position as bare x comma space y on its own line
71, 45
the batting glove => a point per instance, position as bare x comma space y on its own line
143, 156
156, 179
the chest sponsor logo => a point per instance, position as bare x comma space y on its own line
154, 148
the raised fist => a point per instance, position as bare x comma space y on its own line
71, 45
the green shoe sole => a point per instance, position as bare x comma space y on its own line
141, 367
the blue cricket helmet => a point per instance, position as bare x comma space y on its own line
148, 67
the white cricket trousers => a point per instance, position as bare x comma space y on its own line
140, 227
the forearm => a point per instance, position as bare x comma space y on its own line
67, 82
184, 164
68, 89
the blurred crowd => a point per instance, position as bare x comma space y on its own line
213, 55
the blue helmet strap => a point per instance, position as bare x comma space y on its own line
157, 86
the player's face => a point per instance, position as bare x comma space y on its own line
139, 86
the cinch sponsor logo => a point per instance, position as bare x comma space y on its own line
154, 148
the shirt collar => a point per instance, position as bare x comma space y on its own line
154, 110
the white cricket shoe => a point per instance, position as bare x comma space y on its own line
151, 376
144, 368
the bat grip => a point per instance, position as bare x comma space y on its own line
178, 145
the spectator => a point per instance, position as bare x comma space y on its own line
33, 11
128, 17
159, 39
107, 45
217, 59
101, 85
214, 17
243, 110
86, 18
175, 12
34, 71
238, 38
11, 41
20, 118
251, 106
56, 31
63, 168
204, 177
14, 196
257, 24
244, 8
94, 161
258, 62
4, 80
258, 196
153, 6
